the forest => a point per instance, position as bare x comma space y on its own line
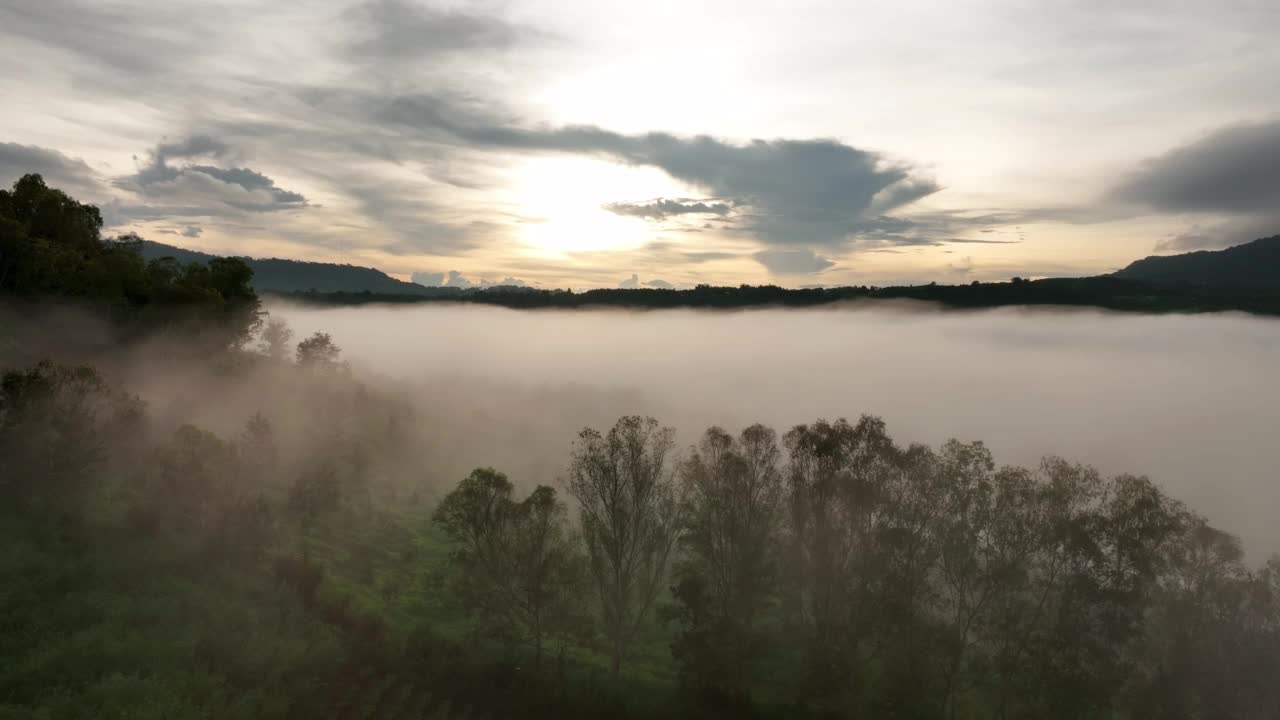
162, 559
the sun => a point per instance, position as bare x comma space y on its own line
563, 199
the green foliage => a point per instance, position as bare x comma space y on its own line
57, 425
50, 248
629, 518
274, 572
520, 571
732, 527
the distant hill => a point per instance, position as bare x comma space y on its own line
1254, 265
1245, 278
288, 276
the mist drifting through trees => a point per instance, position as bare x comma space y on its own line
466, 512
1189, 400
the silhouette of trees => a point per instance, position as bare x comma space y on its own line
276, 336
519, 564
629, 515
732, 519
838, 575
318, 351
57, 426
50, 248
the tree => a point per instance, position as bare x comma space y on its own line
318, 351
629, 517
836, 478
257, 449
276, 336
518, 561
732, 513
58, 425
548, 568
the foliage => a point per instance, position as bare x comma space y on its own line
50, 248
318, 351
154, 568
629, 517
520, 570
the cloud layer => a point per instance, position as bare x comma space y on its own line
1229, 178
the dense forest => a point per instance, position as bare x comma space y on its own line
306, 562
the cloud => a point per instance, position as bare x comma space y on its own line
190, 231
455, 279
1232, 170
1215, 235
122, 41
202, 189
1229, 178
58, 170
252, 182
395, 30
633, 283
430, 279
507, 281
789, 262
801, 192
962, 268
663, 208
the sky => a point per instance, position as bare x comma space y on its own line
585, 143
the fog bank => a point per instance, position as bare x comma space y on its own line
1189, 400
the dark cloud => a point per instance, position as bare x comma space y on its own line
801, 192
112, 39
1216, 235
663, 208
251, 181
1233, 170
395, 30
201, 189
792, 262
1229, 178
58, 170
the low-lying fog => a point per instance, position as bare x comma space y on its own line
1191, 401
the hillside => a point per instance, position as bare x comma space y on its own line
1254, 265
277, 275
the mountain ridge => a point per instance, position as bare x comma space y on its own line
289, 276
1253, 265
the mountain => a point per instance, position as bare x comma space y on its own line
1254, 265
286, 276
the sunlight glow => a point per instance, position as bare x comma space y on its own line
564, 201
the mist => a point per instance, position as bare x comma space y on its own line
1189, 400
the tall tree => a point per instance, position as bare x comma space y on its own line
629, 516
732, 499
518, 561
